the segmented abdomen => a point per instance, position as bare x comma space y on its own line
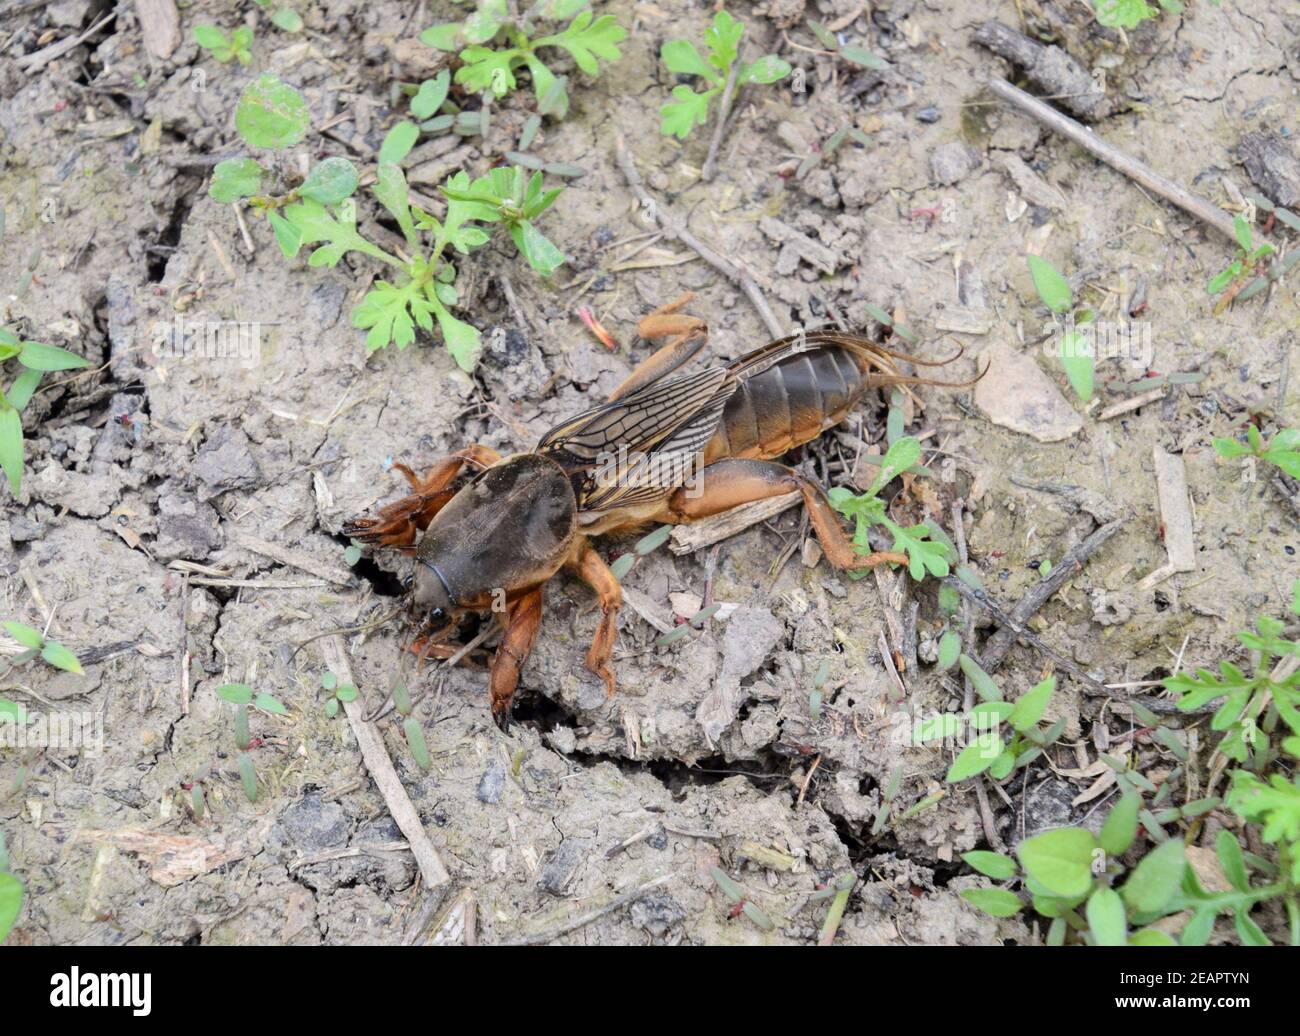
789, 403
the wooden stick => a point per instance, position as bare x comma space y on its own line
618, 903
381, 769
718, 527
673, 227
1138, 171
1070, 566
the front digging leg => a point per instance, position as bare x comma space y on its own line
522, 621
398, 523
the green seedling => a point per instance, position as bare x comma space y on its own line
740, 903
925, 545
321, 211
859, 56
35, 358
11, 893
494, 45
1071, 875
36, 645
841, 889
224, 48
690, 108
285, 18
1283, 449
339, 695
411, 728
1074, 349
1129, 14
242, 697
1251, 705
988, 747
1231, 281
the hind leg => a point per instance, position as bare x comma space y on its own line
730, 483
398, 523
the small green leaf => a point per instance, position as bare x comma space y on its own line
235, 693
1052, 288
1151, 937
348, 692
25, 635
1156, 879
1232, 860
446, 36
329, 681
1120, 828
431, 95
271, 114
61, 658
398, 142
11, 445
1060, 860
209, 37
767, 69
993, 865
330, 181
997, 902
267, 703
11, 903
1080, 365
1105, 912
984, 685
682, 58
949, 649
235, 178
1029, 708
287, 19
1241, 230
1123, 14
976, 757
863, 57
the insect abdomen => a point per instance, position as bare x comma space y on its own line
789, 403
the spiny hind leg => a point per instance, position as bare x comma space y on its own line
687, 335
523, 619
730, 483
398, 523
592, 570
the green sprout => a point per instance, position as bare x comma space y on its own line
1074, 350
411, 728
925, 551
587, 39
989, 749
339, 695
688, 108
321, 211
36, 358
11, 893
1231, 281
285, 18
859, 56
222, 47
1251, 705
1129, 14
1283, 450
35, 644
241, 696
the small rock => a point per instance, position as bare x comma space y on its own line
491, 784
312, 824
225, 463
1016, 394
324, 304
929, 114
953, 162
561, 866
187, 527
23, 530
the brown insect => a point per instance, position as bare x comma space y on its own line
661, 450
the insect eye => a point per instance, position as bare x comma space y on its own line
436, 614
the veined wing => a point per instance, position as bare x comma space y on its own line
644, 445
